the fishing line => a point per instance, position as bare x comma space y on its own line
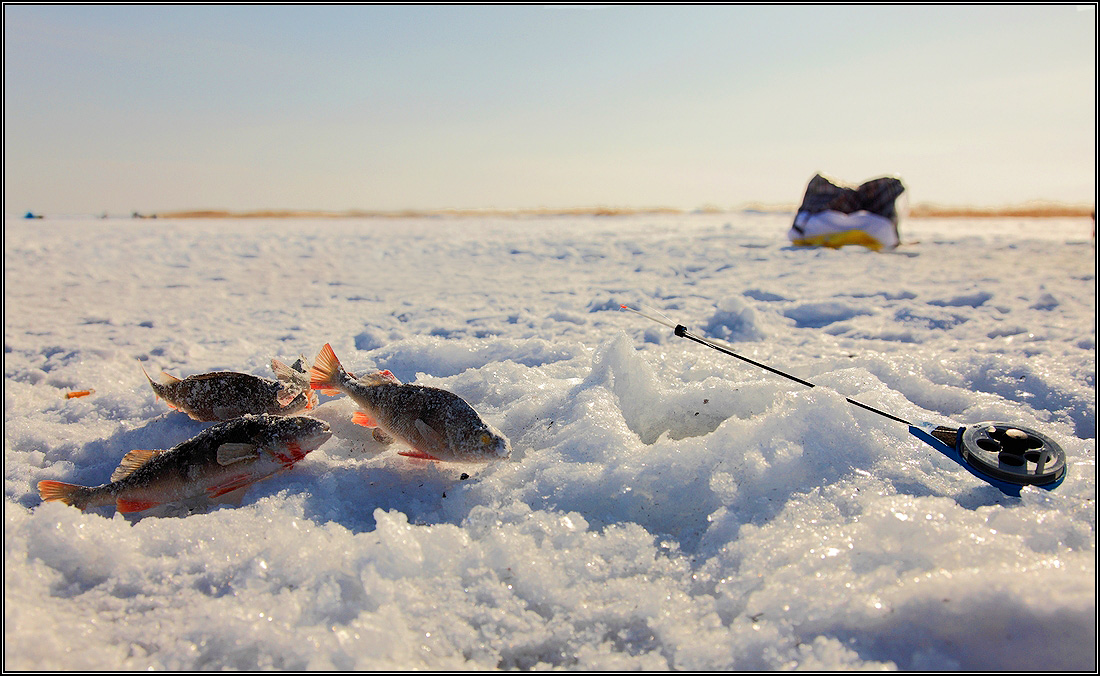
1004, 454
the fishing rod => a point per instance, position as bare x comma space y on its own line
1006, 455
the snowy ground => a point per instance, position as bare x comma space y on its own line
666, 506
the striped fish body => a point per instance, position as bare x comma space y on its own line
224, 395
437, 424
217, 465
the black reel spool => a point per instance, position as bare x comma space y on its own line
1008, 452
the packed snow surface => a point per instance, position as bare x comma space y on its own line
665, 506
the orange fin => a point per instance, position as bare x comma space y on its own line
57, 490
78, 393
234, 498
235, 483
125, 506
326, 369
421, 455
360, 418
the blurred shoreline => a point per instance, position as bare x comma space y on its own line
1034, 209
1028, 210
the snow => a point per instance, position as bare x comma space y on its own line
665, 506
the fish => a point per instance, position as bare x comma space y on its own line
216, 465
296, 375
437, 424
224, 395
377, 378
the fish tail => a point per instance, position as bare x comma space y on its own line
149, 378
281, 370
70, 494
287, 374
158, 387
327, 373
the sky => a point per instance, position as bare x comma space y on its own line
113, 109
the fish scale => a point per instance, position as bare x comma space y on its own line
437, 424
215, 463
224, 395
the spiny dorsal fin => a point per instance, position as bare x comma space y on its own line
131, 462
379, 378
360, 418
234, 452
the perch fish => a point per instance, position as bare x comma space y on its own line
437, 424
295, 376
224, 395
217, 465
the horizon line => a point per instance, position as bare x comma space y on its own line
1029, 209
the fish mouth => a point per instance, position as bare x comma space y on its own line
320, 437
500, 448
317, 435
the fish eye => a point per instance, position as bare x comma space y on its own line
485, 439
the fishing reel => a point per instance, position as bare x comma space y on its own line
1006, 452
1006, 455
